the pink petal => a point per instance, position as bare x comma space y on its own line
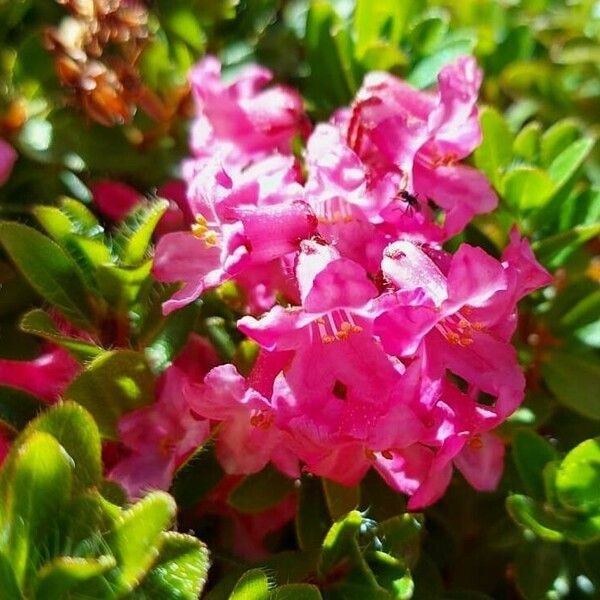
481, 461
8, 157
114, 199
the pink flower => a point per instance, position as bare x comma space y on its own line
114, 200
45, 377
247, 439
242, 121
238, 228
424, 135
455, 323
160, 436
8, 157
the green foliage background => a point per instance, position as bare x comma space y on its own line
538, 535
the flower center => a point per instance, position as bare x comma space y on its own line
336, 326
201, 230
262, 419
458, 330
333, 210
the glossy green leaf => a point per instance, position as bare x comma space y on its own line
36, 487
340, 499
113, 384
563, 167
578, 478
261, 491
527, 187
296, 591
253, 585
554, 250
39, 322
341, 556
57, 578
135, 540
531, 452
575, 380
172, 336
49, 271
391, 574
181, 568
76, 431
134, 234
330, 53
494, 153
17, 408
121, 286
8, 583
374, 22
426, 71
527, 143
556, 139
530, 515
196, 477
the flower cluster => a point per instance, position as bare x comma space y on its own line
378, 348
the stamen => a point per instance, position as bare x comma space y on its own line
475, 442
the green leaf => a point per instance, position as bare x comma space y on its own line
334, 77
135, 540
312, 518
556, 139
76, 431
426, 71
382, 57
582, 313
35, 488
253, 585
564, 166
115, 383
39, 322
296, 591
527, 187
8, 583
531, 452
343, 564
575, 380
49, 271
196, 477
58, 577
380, 21
57, 225
428, 34
290, 566
578, 478
172, 336
538, 565
180, 571
261, 491
527, 142
340, 499
134, 234
495, 152
400, 536
528, 514
121, 286
17, 408
554, 250
391, 574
